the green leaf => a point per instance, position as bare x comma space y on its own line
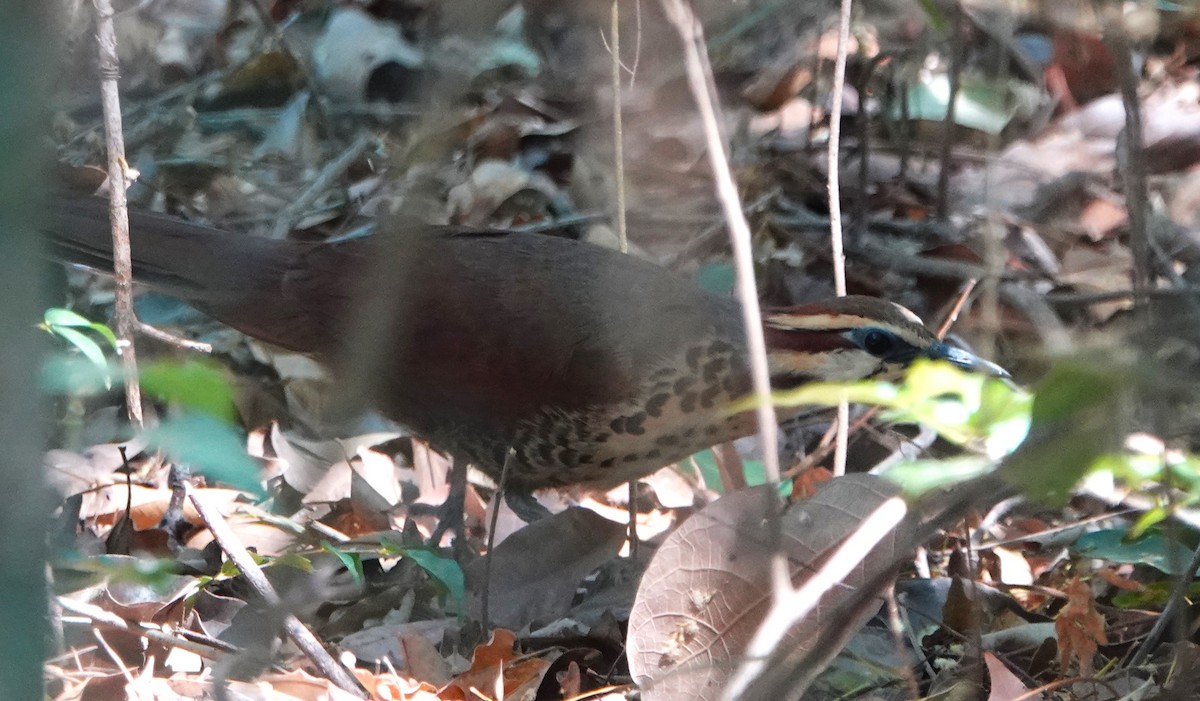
717, 278
1072, 425
917, 477
351, 561
294, 560
965, 408
56, 317
711, 474
158, 573
1153, 549
983, 104
444, 570
66, 324
1147, 521
89, 348
1152, 595
197, 385
212, 446
937, 20
71, 374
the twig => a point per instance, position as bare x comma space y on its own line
1130, 156
836, 250
1083, 299
834, 155
956, 308
622, 226
799, 603
897, 628
296, 631
160, 335
700, 82
618, 129
204, 647
958, 50
110, 98
484, 612
295, 210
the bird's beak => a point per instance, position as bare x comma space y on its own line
967, 361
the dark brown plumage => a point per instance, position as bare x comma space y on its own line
596, 367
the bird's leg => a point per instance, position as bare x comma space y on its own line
509, 457
633, 535
173, 521
524, 505
452, 513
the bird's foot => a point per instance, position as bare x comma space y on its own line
451, 513
524, 505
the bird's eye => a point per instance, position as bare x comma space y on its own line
878, 343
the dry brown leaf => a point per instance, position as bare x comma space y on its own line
1080, 628
392, 687
1005, 686
148, 504
496, 671
1101, 218
708, 587
805, 484
535, 571
569, 681
1113, 576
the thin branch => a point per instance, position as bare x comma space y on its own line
836, 249
700, 81
207, 648
622, 226
1131, 157
618, 129
296, 631
957, 56
110, 98
296, 209
172, 339
799, 603
835, 143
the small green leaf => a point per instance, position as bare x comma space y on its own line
351, 561
212, 446
936, 19
1072, 424
89, 348
444, 570
717, 278
1153, 549
72, 374
197, 385
961, 406
1152, 595
1147, 521
709, 472
158, 573
56, 318
917, 477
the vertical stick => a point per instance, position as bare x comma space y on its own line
110, 99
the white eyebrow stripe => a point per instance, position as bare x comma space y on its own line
839, 322
818, 322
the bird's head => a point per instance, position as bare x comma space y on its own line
854, 338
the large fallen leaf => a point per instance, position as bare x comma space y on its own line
535, 571
708, 588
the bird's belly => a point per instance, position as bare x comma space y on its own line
606, 459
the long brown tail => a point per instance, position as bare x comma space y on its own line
191, 261
260, 286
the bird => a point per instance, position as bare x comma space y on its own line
593, 367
